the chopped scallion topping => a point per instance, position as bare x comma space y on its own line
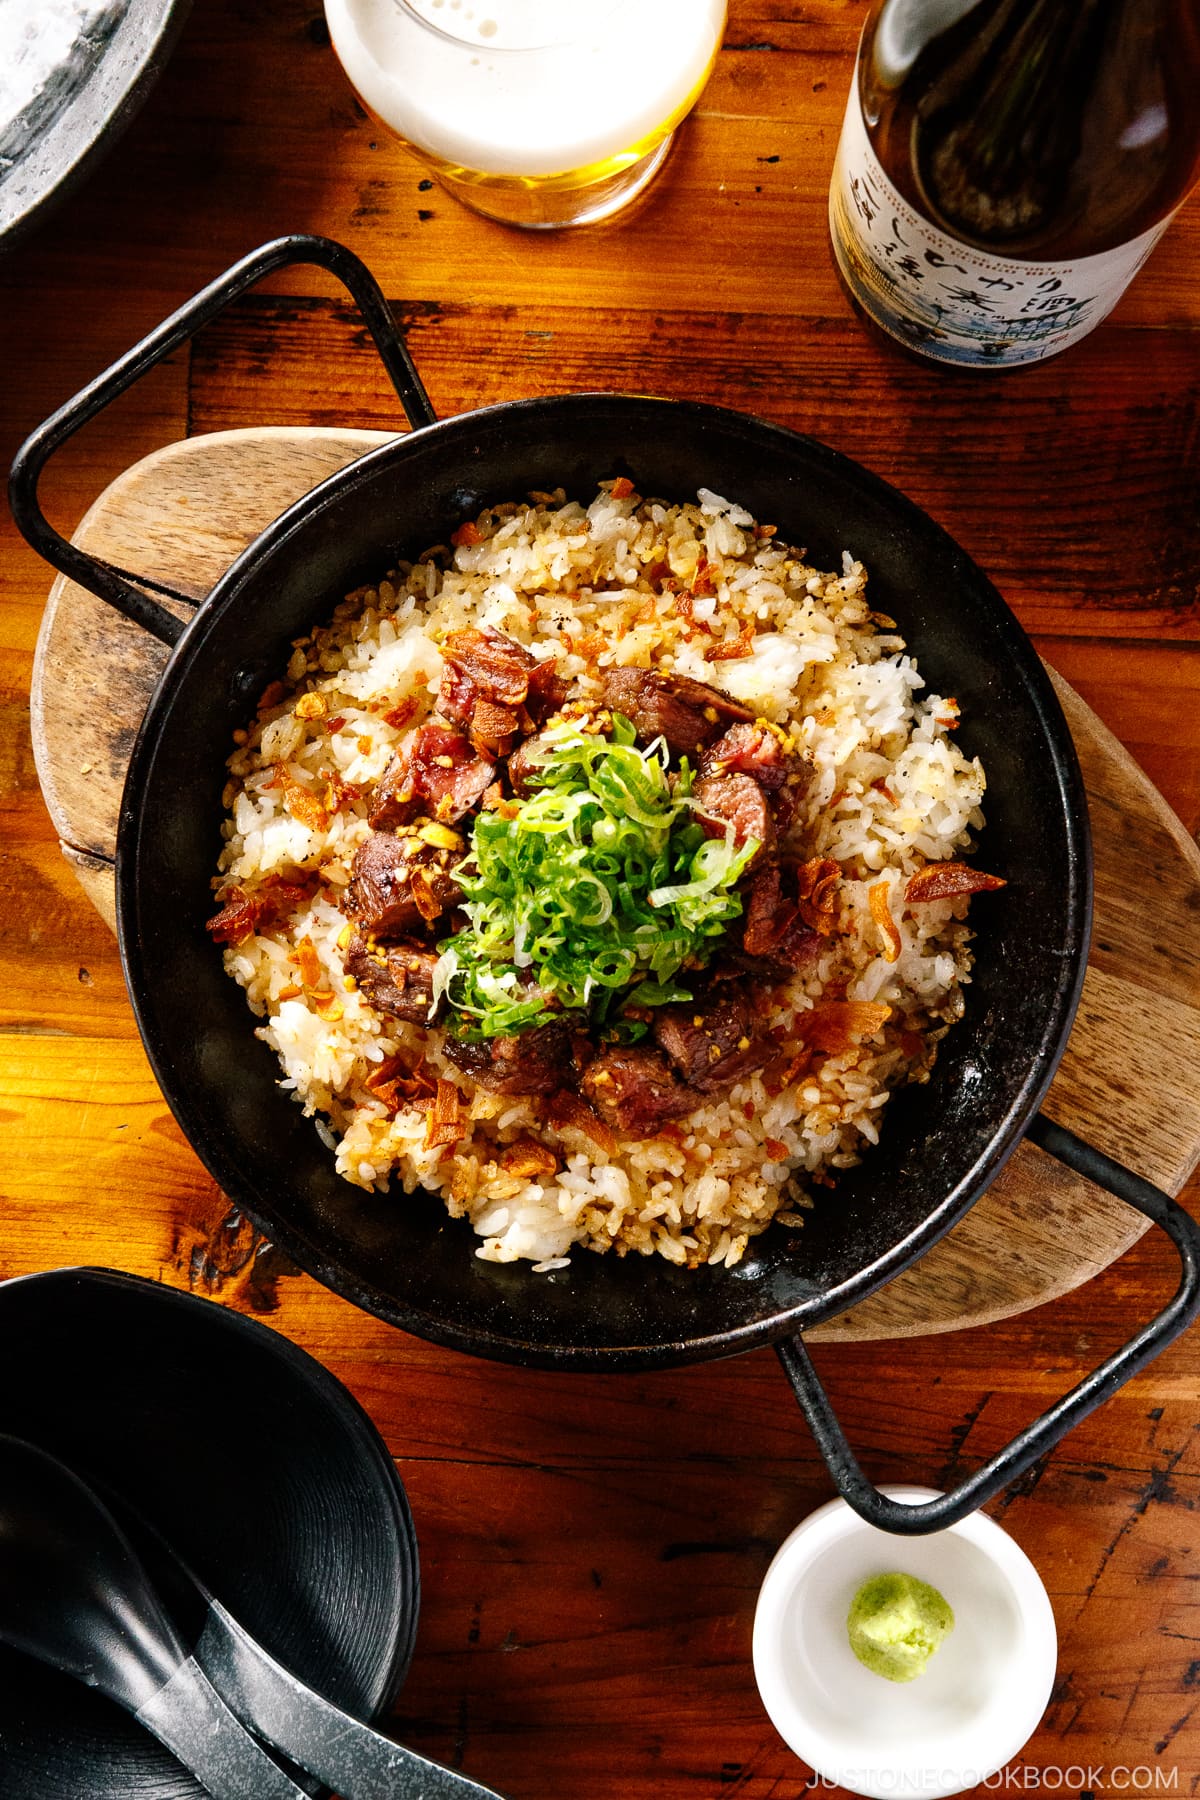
600, 888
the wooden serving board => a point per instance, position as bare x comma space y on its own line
1130, 1079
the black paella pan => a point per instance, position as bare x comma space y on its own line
405, 1260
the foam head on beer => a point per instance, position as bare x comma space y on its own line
528, 88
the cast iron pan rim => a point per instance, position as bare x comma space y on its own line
684, 412
478, 1341
1044, 1059
387, 1680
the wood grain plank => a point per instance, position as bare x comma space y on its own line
61, 967
1148, 694
1111, 459
224, 155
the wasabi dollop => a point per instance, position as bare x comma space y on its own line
896, 1622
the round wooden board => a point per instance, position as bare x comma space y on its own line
1130, 1078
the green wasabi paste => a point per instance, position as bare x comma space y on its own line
896, 1623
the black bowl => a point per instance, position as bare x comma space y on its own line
263, 1471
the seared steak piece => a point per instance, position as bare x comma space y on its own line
395, 800
400, 883
635, 1092
757, 750
379, 895
787, 800
547, 691
774, 929
537, 1061
457, 696
748, 750
766, 914
441, 774
433, 887
448, 773
394, 978
495, 688
710, 1042
735, 800
688, 714
494, 728
497, 667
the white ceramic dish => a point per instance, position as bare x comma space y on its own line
978, 1701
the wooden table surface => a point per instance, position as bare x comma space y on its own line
592, 1547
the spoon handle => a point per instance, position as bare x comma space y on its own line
358, 1763
191, 1719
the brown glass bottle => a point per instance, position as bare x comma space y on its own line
1007, 165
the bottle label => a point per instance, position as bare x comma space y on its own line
946, 298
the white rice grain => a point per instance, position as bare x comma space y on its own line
586, 586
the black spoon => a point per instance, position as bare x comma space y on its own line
74, 1595
358, 1762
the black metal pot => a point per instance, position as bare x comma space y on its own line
405, 1260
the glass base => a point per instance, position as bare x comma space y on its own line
552, 202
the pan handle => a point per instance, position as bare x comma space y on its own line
1046, 1431
106, 580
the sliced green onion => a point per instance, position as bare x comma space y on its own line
711, 868
597, 890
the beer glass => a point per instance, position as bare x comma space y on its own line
540, 113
